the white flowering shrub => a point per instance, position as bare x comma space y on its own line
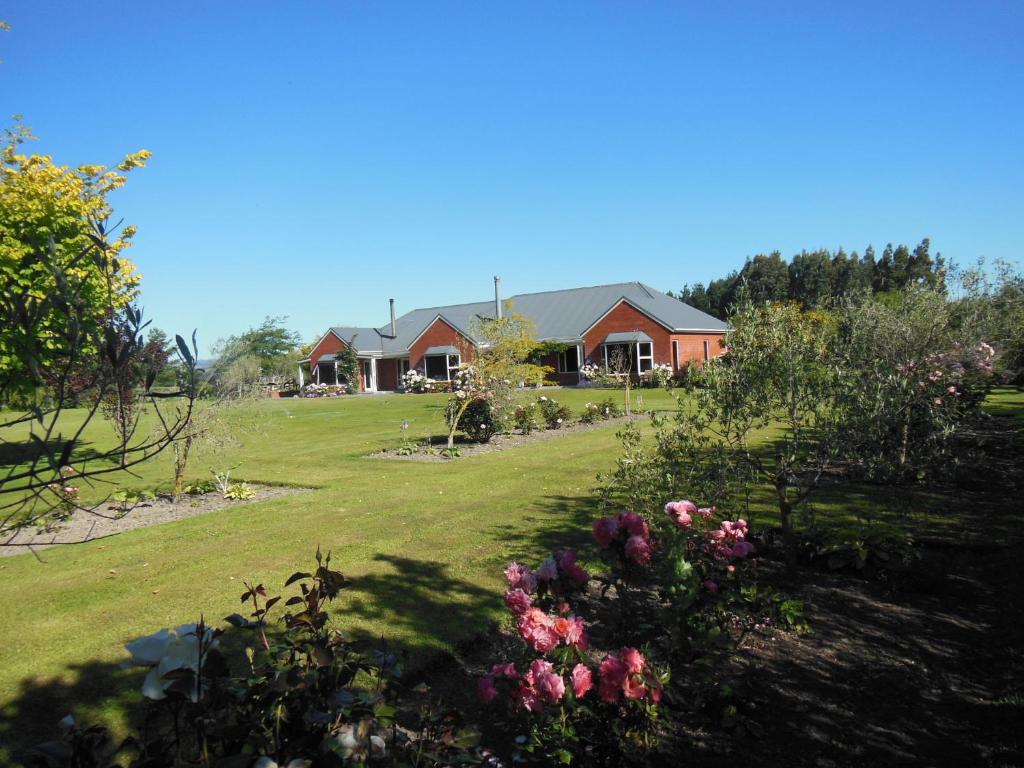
414, 381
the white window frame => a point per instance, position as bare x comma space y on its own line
640, 358
450, 366
707, 350
635, 354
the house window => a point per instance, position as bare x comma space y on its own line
403, 366
326, 373
569, 360
619, 358
441, 367
644, 356
707, 350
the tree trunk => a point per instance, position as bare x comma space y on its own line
786, 516
455, 423
181, 449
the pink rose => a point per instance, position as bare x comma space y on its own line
518, 601
638, 549
576, 633
706, 512
681, 512
634, 524
742, 548
582, 680
527, 698
521, 577
485, 689
548, 570
633, 659
633, 687
504, 670
605, 531
613, 675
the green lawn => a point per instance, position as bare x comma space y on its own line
423, 542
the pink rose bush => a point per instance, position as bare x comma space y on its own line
695, 566
626, 674
627, 534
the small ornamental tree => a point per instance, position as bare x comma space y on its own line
910, 375
504, 349
774, 372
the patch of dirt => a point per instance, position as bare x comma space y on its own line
498, 442
107, 520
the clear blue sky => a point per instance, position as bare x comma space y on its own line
313, 159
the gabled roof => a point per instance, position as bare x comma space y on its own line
558, 315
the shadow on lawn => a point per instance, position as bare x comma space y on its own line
420, 599
32, 716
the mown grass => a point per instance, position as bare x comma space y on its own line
424, 543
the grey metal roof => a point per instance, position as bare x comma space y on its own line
441, 351
563, 315
626, 337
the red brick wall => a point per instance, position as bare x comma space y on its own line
440, 334
625, 319
691, 346
551, 361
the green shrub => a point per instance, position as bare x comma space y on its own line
525, 418
555, 416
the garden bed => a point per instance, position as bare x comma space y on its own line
466, 447
108, 521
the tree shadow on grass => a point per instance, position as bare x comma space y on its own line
32, 716
420, 600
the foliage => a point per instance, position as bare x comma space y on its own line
552, 413
270, 349
479, 421
909, 378
660, 375
71, 332
300, 695
50, 219
525, 417
815, 279
600, 411
501, 362
991, 308
414, 381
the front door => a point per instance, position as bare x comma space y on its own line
369, 375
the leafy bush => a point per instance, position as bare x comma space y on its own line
302, 696
554, 416
239, 492
525, 418
478, 421
414, 381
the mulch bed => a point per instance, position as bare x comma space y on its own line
106, 520
497, 443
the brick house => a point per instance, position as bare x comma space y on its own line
602, 325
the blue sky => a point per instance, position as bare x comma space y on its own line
313, 159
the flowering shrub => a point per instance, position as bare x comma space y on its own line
414, 381
525, 418
602, 411
627, 536
550, 688
326, 390
554, 416
660, 374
